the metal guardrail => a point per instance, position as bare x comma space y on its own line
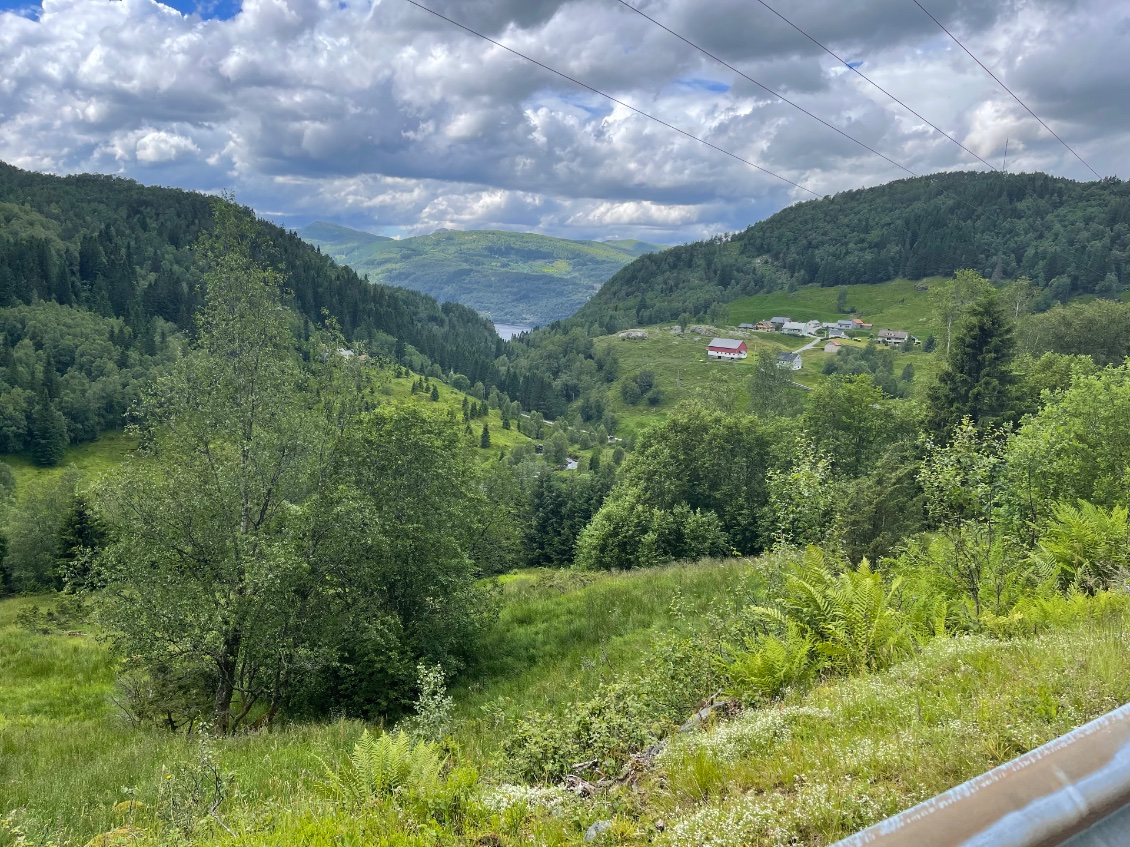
1072, 791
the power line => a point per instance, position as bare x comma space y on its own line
764, 87
640, 112
868, 79
1006, 88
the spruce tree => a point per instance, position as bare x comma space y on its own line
484, 440
977, 381
47, 433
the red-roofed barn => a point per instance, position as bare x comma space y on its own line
727, 348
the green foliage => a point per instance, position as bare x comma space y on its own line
1074, 448
767, 666
108, 246
712, 462
850, 619
877, 510
875, 361
802, 499
853, 423
1085, 546
431, 720
562, 504
771, 390
626, 533
1099, 329
977, 382
963, 493
35, 526
389, 765
608, 727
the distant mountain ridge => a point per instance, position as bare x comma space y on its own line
511, 277
1069, 238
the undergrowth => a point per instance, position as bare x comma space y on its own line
831, 750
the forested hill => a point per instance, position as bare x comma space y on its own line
118, 257
514, 277
122, 249
1068, 237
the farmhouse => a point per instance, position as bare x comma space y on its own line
765, 326
794, 328
895, 337
780, 322
846, 323
856, 323
789, 361
727, 348
836, 332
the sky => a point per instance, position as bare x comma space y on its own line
380, 116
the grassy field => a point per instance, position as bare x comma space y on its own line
91, 460
683, 372
807, 770
400, 390
564, 631
890, 305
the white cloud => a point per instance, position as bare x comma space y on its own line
376, 114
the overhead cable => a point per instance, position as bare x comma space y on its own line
764, 87
1006, 88
868, 79
628, 106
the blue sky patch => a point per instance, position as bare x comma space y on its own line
222, 9
704, 84
27, 8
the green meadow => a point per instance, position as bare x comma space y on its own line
810, 768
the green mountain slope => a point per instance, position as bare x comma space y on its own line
98, 282
1069, 237
512, 277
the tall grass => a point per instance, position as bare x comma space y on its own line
562, 633
805, 770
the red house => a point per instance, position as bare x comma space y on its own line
727, 348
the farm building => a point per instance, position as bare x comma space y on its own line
727, 348
833, 346
895, 337
780, 322
789, 361
794, 328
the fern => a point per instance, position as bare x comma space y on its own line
848, 620
390, 765
1085, 545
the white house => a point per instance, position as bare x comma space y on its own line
789, 361
794, 328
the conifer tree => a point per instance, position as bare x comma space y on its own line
484, 439
977, 381
47, 434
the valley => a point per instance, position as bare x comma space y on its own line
290, 556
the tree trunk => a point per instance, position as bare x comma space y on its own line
225, 685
